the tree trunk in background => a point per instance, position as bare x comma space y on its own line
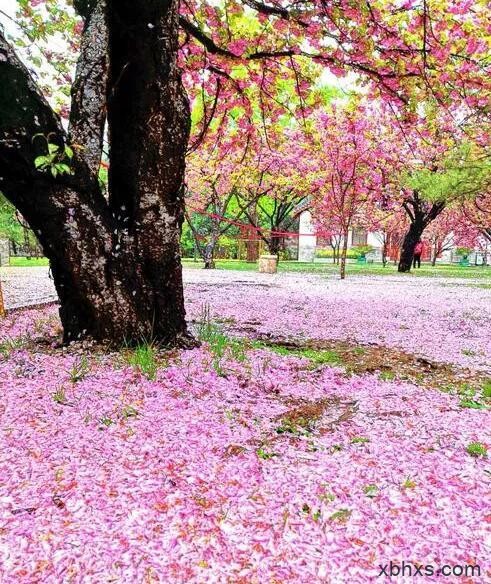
209, 254
421, 214
384, 252
116, 263
344, 251
252, 245
252, 249
410, 240
434, 253
274, 245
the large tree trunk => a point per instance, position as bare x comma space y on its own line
115, 263
149, 122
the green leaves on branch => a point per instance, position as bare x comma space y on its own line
56, 160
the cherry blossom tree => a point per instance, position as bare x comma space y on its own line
351, 169
223, 186
442, 174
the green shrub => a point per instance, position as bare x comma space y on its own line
361, 251
329, 253
463, 251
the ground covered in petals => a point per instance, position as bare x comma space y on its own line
447, 320
254, 458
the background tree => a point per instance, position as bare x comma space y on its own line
215, 177
439, 182
349, 171
285, 189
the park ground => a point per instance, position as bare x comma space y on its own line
322, 429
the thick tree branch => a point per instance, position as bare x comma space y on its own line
210, 45
68, 213
88, 111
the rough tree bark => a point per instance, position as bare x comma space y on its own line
252, 244
115, 262
275, 243
434, 252
88, 106
421, 214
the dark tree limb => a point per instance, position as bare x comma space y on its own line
421, 214
88, 109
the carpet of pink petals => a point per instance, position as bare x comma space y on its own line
185, 478
446, 320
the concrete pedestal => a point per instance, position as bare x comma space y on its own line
268, 264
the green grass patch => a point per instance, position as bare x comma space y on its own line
327, 268
265, 454
359, 440
144, 358
129, 412
10, 345
219, 343
59, 396
25, 262
473, 404
371, 491
477, 449
409, 483
486, 389
316, 357
79, 369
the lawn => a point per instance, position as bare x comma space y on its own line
25, 262
326, 267
319, 267
321, 430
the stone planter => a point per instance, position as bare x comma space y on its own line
268, 264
